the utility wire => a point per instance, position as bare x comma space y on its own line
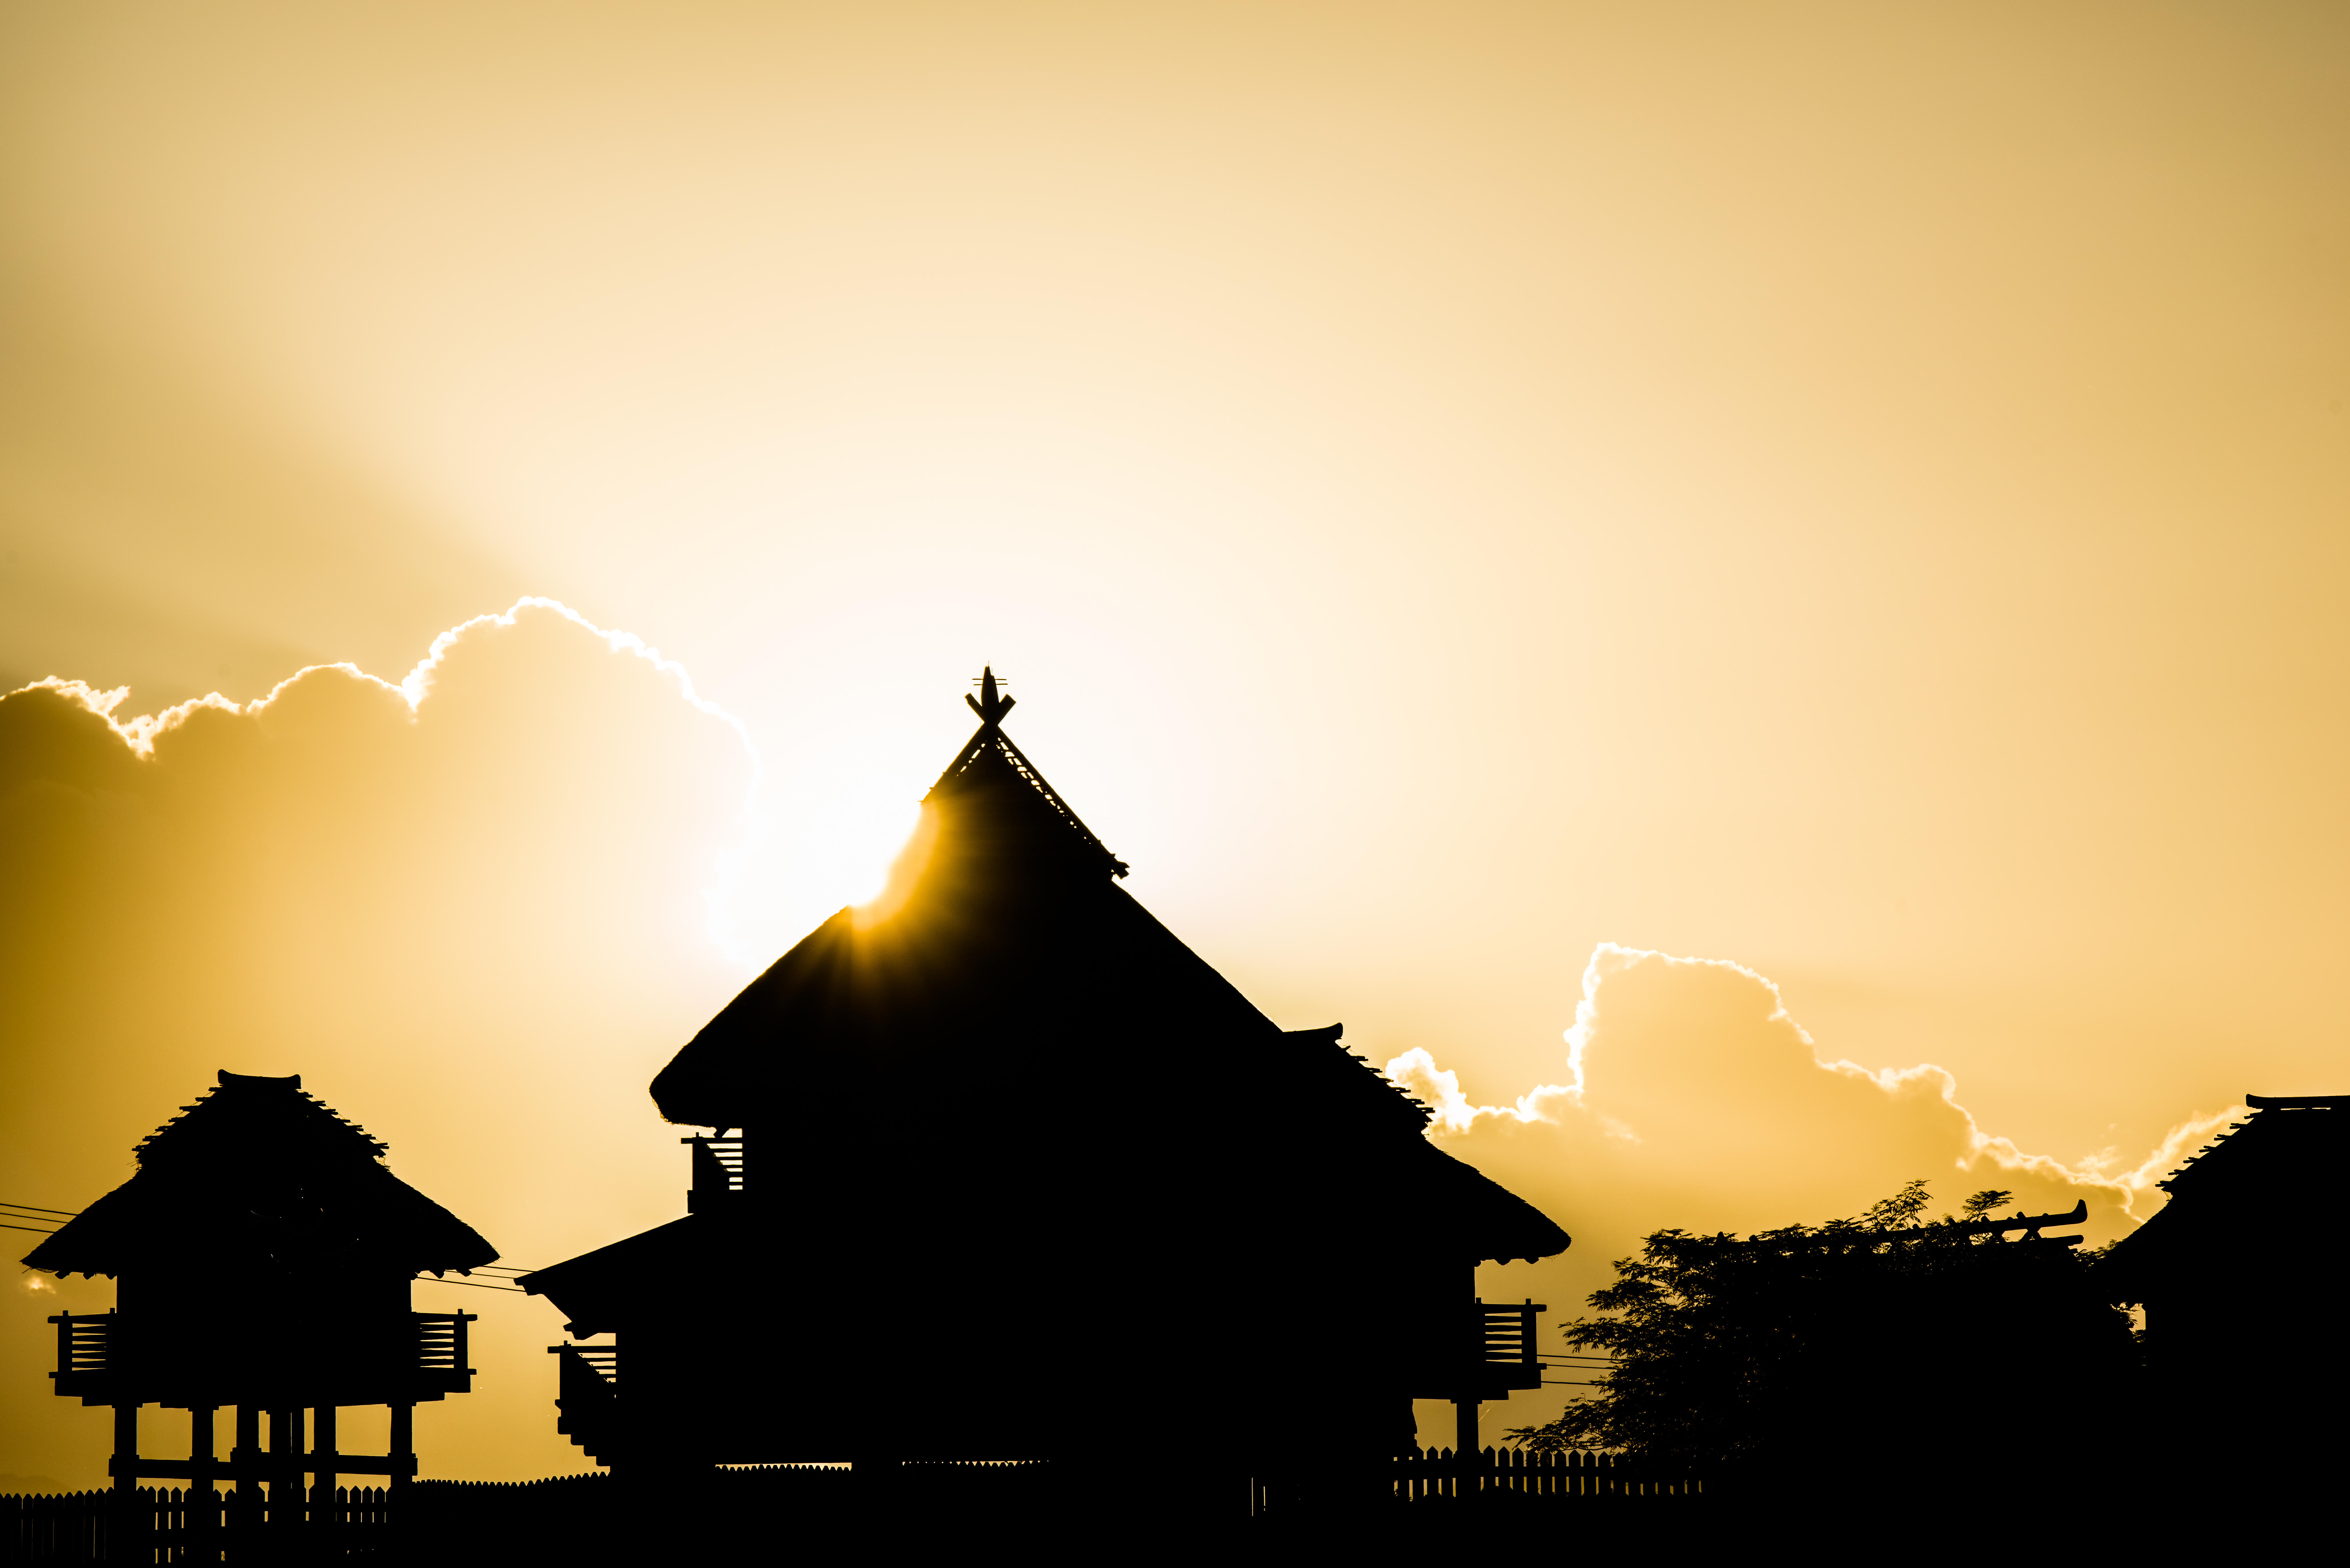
510, 1289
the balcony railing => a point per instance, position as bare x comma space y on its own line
717, 1172
587, 1398
1507, 1333
85, 1348
112, 1357
1488, 1356
441, 1350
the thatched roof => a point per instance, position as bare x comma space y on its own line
2253, 1203
257, 1175
1012, 1014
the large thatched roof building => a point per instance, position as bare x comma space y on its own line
1017, 1168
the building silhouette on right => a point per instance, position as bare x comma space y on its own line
2242, 1276
999, 1168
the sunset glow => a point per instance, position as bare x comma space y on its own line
1751, 596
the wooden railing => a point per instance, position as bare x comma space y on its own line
98, 1354
717, 1172
1490, 1356
441, 1349
1506, 1333
587, 1398
84, 1347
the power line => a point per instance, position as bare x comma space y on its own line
469, 1284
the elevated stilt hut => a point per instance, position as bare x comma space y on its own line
263, 1255
997, 1168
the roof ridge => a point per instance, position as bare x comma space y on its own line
990, 736
309, 1107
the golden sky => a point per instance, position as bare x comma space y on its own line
1852, 494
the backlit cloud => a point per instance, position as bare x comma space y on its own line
1692, 1099
475, 907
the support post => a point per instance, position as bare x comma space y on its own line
129, 1529
203, 1506
403, 1447
126, 1450
285, 1469
322, 1469
396, 1490
245, 1454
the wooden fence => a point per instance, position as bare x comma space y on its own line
168, 1525
1434, 1473
172, 1524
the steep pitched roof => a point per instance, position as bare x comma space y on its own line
258, 1175
990, 760
1012, 980
2256, 1191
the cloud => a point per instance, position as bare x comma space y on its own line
1692, 1099
473, 907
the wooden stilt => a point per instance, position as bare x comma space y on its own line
1464, 1446
285, 1469
322, 1469
130, 1526
126, 1449
246, 1452
396, 1490
203, 1509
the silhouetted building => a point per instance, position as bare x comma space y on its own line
2242, 1281
1015, 1174
263, 1256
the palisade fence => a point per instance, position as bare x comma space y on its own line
172, 1524
168, 1525
1434, 1473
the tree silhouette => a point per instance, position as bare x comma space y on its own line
1879, 1342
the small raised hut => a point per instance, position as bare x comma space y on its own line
999, 1168
263, 1255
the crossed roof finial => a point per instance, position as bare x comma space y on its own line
990, 707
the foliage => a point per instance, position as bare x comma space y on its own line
1864, 1338
1980, 1205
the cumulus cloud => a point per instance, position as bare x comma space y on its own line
472, 907
1692, 1099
